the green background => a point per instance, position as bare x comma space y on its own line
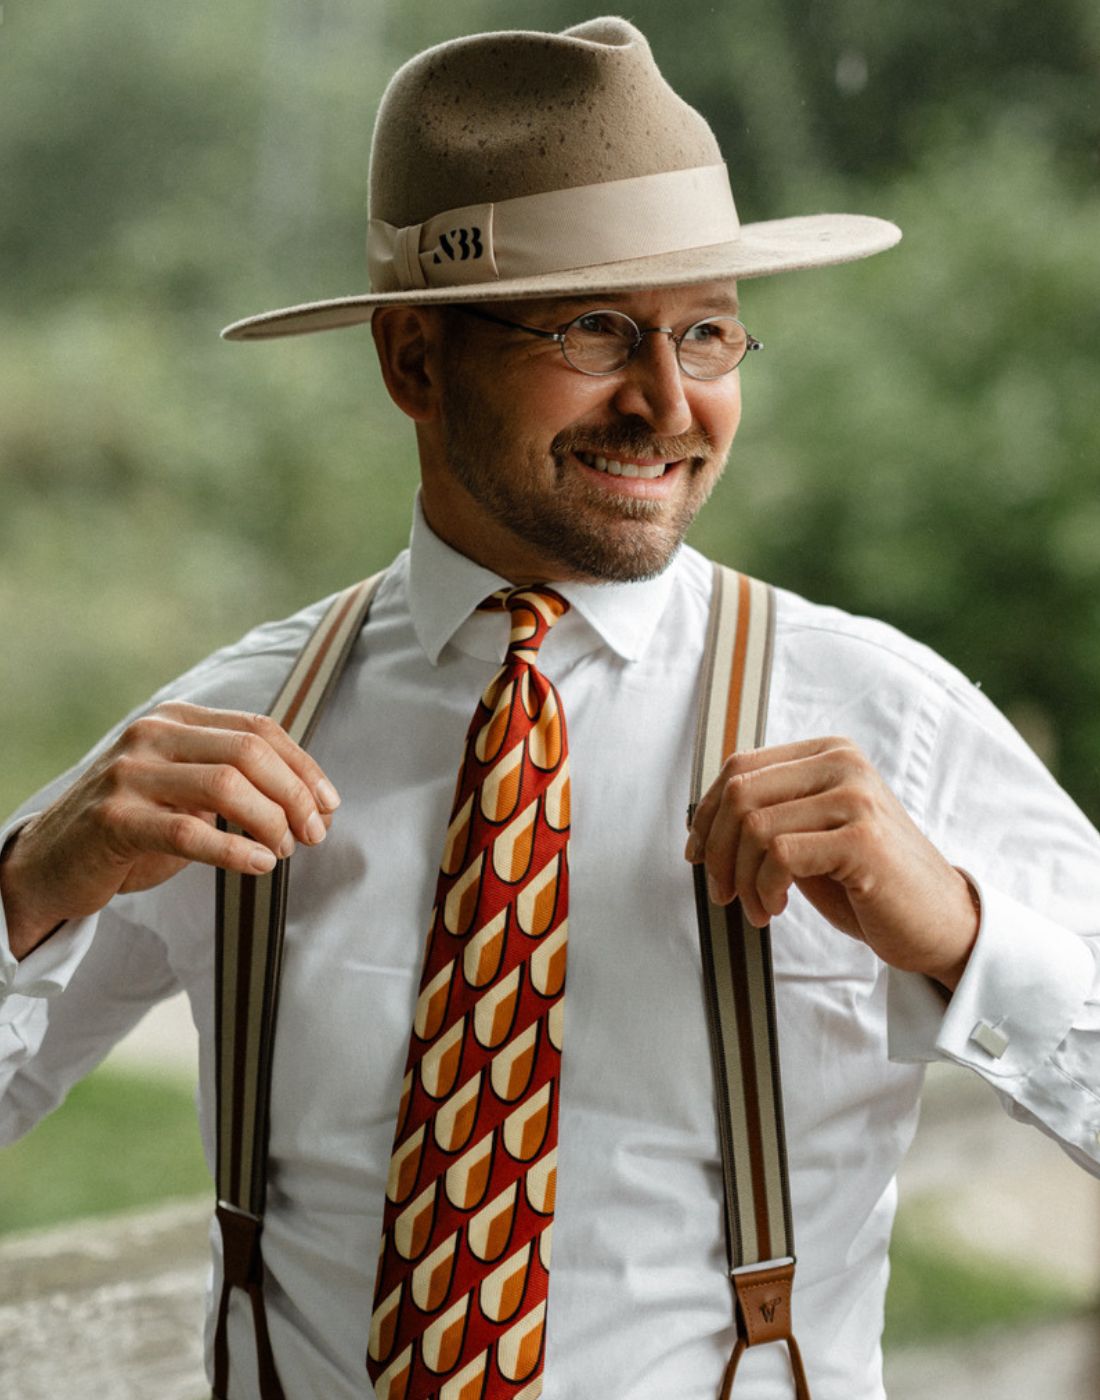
919, 441
919, 438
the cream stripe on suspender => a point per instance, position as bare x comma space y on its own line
251, 916
738, 978
740, 999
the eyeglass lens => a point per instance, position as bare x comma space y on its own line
603, 341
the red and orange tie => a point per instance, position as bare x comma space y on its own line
460, 1302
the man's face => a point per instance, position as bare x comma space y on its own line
518, 478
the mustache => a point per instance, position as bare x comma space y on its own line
627, 443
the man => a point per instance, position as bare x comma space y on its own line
554, 258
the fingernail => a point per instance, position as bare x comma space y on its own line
286, 849
327, 795
262, 861
315, 830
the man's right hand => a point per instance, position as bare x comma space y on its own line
148, 806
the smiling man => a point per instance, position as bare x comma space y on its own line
555, 257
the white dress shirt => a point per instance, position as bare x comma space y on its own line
640, 1308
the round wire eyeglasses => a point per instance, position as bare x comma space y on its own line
602, 342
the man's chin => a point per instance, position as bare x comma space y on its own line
611, 555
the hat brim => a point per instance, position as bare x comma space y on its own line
762, 249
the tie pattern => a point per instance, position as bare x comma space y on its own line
460, 1302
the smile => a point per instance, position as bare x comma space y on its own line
647, 471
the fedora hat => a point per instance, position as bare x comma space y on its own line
518, 164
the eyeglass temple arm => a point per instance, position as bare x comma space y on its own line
480, 315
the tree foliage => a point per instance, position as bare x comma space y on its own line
920, 434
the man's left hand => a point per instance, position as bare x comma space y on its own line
817, 815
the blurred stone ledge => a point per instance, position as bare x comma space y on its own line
106, 1309
1056, 1361
111, 1309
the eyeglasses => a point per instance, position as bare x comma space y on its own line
601, 342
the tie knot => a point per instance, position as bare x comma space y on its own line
534, 609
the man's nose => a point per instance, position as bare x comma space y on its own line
652, 385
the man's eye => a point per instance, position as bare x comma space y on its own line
599, 323
703, 330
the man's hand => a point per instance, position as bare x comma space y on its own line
147, 807
817, 815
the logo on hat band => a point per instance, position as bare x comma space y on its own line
667, 212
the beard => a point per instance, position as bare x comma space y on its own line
594, 533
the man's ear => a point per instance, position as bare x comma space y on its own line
408, 339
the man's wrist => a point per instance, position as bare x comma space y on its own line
28, 928
948, 978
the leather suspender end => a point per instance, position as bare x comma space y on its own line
764, 1315
764, 1303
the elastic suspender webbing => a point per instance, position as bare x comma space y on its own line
251, 913
251, 916
737, 971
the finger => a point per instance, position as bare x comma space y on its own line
326, 798
758, 778
190, 838
749, 760
195, 788
185, 745
743, 833
701, 819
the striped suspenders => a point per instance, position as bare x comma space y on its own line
251, 915
737, 974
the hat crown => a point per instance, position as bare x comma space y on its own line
499, 116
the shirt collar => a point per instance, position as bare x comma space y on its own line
445, 588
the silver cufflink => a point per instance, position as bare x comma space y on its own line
993, 1041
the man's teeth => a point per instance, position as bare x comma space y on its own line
613, 468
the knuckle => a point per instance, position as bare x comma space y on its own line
780, 852
223, 781
248, 748
142, 733
860, 802
735, 794
121, 773
263, 726
180, 831
755, 825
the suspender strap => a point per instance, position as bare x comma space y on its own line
740, 999
251, 914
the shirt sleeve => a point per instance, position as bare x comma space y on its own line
1026, 1013
66, 1004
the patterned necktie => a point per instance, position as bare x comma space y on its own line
460, 1302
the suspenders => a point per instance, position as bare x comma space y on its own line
251, 917
251, 914
737, 974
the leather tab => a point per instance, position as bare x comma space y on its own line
764, 1304
241, 1259
764, 1315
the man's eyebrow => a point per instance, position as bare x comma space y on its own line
721, 304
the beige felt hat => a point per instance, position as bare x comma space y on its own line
519, 164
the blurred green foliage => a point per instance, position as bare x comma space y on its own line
920, 436
919, 439
938, 1291
134, 1138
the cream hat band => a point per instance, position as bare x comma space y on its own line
668, 212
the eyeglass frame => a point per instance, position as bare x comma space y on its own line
640, 333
